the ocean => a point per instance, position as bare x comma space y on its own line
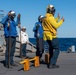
64, 43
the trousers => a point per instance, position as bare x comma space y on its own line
40, 47
53, 50
10, 49
23, 49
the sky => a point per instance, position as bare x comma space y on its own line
31, 9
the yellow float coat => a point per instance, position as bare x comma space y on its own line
50, 25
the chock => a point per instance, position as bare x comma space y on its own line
47, 58
26, 63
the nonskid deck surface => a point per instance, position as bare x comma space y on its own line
66, 61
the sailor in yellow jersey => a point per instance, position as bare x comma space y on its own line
50, 25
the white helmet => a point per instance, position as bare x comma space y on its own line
13, 14
50, 9
40, 17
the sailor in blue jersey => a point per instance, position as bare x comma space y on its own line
38, 34
9, 25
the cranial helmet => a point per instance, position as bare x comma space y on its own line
40, 17
13, 14
50, 9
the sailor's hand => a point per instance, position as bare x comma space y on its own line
19, 15
58, 15
8, 24
62, 19
27, 42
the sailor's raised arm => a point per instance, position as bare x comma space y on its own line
18, 22
3, 21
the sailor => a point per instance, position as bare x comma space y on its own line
23, 38
10, 33
38, 34
50, 25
